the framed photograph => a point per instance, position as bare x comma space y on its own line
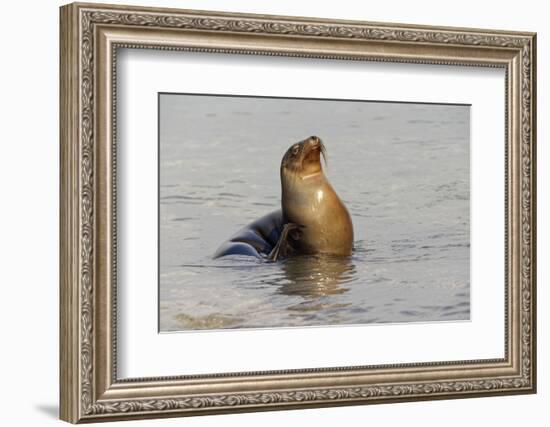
267, 212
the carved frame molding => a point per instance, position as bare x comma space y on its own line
90, 37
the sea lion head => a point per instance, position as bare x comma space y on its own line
303, 159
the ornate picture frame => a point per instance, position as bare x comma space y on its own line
90, 37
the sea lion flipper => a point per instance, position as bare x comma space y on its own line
283, 247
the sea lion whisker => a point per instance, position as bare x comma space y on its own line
324, 152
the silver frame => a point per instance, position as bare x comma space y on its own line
90, 37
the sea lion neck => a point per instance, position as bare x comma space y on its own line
288, 175
298, 183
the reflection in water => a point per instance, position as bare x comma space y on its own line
316, 276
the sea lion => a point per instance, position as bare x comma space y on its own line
313, 219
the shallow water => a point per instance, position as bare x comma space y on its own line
401, 169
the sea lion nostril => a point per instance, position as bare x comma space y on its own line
314, 138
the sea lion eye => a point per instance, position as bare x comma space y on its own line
295, 149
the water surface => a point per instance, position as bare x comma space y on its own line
401, 169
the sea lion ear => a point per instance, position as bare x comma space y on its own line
284, 163
284, 160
